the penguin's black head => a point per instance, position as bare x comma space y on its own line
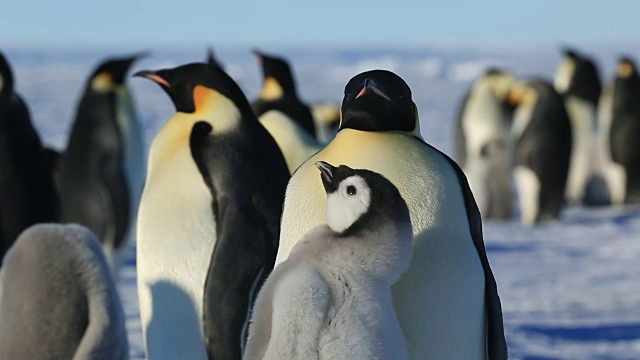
278, 70
626, 68
6, 76
186, 85
358, 199
378, 100
570, 53
112, 72
211, 58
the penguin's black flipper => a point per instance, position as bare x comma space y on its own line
496, 343
226, 310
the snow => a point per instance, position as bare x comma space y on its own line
569, 289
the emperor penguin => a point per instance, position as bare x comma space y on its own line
331, 298
294, 142
285, 117
578, 81
209, 218
103, 168
483, 143
279, 92
27, 191
447, 302
541, 132
58, 299
326, 118
619, 127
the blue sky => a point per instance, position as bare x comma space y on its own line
236, 23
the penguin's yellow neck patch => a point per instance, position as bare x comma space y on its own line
625, 69
416, 129
102, 82
271, 90
202, 97
216, 109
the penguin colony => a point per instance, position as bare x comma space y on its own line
566, 142
234, 190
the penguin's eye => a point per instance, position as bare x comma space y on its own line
351, 190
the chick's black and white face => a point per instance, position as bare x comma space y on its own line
347, 203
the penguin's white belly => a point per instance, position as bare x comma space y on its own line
296, 145
528, 186
614, 174
481, 131
440, 299
176, 237
582, 118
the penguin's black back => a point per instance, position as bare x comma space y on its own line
27, 192
585, 83
625, 131
246, 172
290, 106
545, 147
93, 186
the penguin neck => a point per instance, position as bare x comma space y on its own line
382, 251
564, 75
272, 90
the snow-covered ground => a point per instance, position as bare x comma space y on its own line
570, 289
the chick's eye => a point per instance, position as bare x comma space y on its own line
351, 190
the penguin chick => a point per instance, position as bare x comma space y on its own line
331, 298
58, 299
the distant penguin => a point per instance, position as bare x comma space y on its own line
209, 218
212, 59
279, 92
27, 192
58, 299
349, 264
482, 143
103, 166
578, 81
447, 302
541, 132
326, 117
619, 131
295, 143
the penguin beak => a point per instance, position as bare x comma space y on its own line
371, 86
152, 76
258, 54
327, 171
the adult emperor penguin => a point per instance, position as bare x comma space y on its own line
279, 92
542, 134
294, 142
482, 143
619, 121
209, 218
350, 263
58, 299
326, 117
578, 81
447, 302
27, 192
103, 167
